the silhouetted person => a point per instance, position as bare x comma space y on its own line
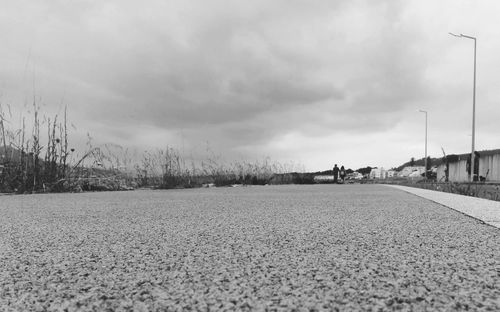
342, 173
335, 174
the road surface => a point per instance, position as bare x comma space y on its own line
276, 248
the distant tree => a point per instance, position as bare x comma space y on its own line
349, 171
365, 170
412, 161
429, 163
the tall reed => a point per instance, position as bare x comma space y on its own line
30, 162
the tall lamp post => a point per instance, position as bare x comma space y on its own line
422, 111
473, 106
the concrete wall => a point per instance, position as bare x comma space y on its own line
489, 167
441, 173
491, 162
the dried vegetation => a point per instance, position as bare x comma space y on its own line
41, 159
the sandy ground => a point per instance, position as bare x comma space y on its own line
276, 248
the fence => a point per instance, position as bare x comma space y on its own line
489, 168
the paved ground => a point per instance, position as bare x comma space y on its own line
323, 247
485, 210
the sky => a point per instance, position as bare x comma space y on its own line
314, 83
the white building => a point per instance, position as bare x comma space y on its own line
355, 176
407, 171
378, 173
323, 178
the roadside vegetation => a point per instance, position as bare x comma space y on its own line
480, 189
39, 158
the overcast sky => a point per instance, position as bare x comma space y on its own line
309, 82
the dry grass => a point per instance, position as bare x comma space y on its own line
33, 163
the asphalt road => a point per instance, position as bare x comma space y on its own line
277, 248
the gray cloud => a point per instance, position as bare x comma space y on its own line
239, 74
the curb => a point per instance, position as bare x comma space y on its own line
487, 211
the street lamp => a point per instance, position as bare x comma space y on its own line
473, 106
422, 111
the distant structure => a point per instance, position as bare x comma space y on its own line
455, 167
410, 171
381, 173
323, 178
354, 176
378, 173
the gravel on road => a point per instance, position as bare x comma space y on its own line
269, 248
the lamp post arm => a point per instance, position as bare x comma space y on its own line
472, 169
469, 37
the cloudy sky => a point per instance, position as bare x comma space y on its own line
310, 82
